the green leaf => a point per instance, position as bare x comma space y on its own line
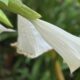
4, 2
6, 35
36, 69
4, 19
46, 76
16, 6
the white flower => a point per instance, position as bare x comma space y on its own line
38, 36
30, 42
3, 29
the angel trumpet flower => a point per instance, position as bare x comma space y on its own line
3, 29
30, 42
37, 36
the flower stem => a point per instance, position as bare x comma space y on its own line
57, 67
58, 71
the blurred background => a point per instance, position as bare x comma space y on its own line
63, 13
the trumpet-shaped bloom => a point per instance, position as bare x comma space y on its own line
38, 36
30, 42
3, 29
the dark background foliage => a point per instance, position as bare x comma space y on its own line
63, 13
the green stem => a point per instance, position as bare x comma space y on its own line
58, 71
57, 67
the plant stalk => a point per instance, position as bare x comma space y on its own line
58, 71
57, 67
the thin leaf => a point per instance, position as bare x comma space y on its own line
16, 6
7, 35
36, 69
46, 76
4, 19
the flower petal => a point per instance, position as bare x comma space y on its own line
63, 42
30, 42
3, 29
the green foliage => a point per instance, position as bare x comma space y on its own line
4, 19
5, 35
63, 13
4, 2
16, 6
